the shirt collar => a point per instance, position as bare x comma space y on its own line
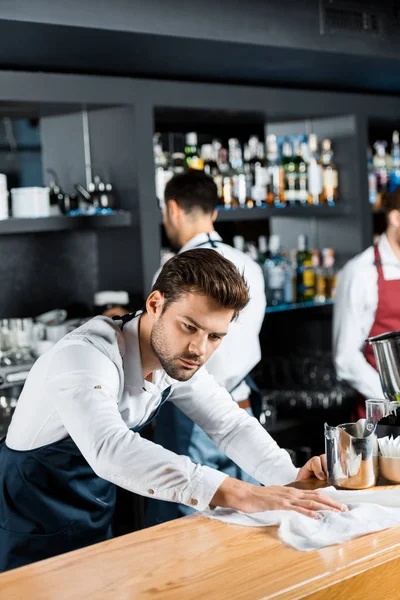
201, 238
387, 254
133, 365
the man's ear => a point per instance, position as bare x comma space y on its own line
394, 218
155, 303
173, 210
214, 215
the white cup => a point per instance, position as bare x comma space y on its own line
3, 204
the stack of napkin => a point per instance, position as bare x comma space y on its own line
390, 446
368, 512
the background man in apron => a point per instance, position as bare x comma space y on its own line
75, 433
367, 303
189, 214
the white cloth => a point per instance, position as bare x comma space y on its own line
90, 385
369, 511
355, 306
240, 350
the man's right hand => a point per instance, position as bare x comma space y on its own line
248, 498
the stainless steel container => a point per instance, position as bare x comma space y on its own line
352, 455
386, 349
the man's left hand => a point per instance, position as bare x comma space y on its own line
315, 467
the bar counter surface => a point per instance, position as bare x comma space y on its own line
197, 558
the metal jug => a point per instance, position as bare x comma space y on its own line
386, 349
352, 455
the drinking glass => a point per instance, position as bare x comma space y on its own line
379, 408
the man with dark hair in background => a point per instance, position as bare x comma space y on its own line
189, 213
75, 433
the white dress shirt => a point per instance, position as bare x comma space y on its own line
90, 385
355, 306
240, 350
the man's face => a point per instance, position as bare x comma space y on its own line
189, 331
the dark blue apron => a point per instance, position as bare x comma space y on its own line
51, 500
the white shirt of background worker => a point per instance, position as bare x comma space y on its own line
189, 224
356, 304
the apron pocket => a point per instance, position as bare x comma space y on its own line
19, 549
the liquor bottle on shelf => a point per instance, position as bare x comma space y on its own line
326, 276
239, 243
305, 271
379, 162
192, 153
372, 181
329, 175
275, 273
178, 162
314, 171
394, 177
238, 174
263, 252
248, 176
302, 173
257, 170
227, 183
217, 176
289, 165
289, 292
163, 172
276, 174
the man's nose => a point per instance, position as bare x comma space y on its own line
198, 345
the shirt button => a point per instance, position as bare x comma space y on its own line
194, 502
97, 387
150, 491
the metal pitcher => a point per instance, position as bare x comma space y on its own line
386, 349
352, 455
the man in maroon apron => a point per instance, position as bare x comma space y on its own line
362, 300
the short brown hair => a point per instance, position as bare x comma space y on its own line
203, 271
390, 201
193, 190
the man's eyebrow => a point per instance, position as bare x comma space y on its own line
201, 327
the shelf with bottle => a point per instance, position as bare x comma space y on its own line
298, 305
285, 174
15, 225
297, 279
41, 209
383, 167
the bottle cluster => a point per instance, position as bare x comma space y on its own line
290, 171
383, 168
300, 275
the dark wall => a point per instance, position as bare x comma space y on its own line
292, 43
293, 23
39, 272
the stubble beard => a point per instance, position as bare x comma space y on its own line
169, 363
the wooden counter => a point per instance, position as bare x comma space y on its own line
198, 558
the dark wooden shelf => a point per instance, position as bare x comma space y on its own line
253, 214
12, 225
297, 306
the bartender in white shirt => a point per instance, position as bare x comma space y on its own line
367, 303
75, 430
189, 213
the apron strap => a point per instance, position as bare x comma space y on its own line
124, 318
213, 243
378, 261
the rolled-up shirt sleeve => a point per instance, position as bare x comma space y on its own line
85, 385
241, 437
